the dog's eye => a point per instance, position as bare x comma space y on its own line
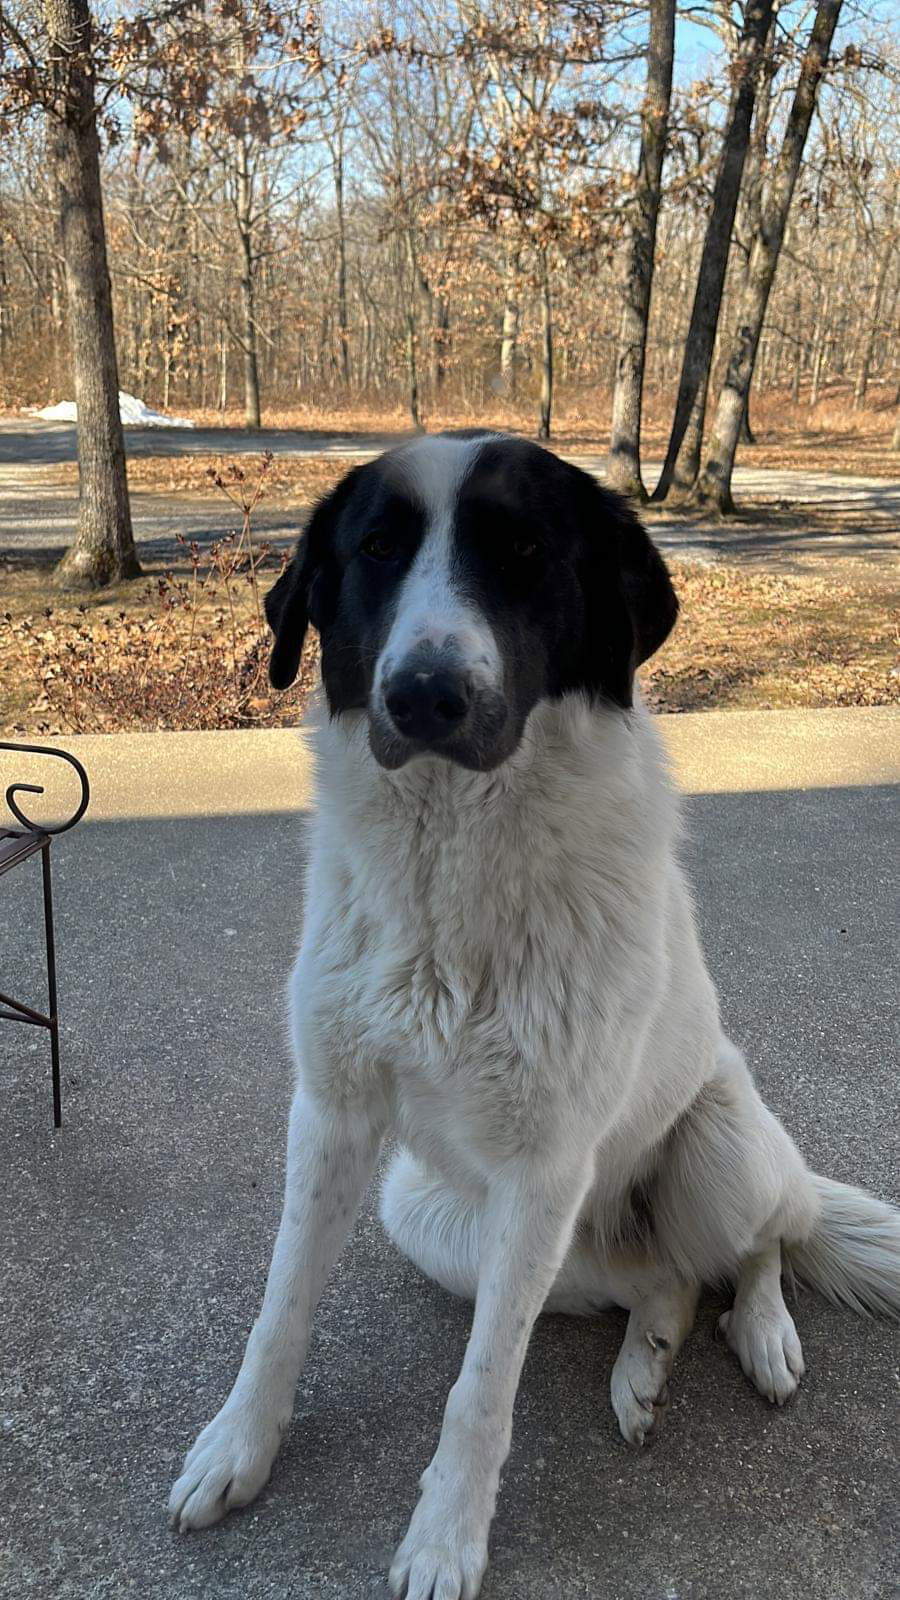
524, 547
379, 547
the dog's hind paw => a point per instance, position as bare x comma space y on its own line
765, 1341
225, 1468
639, 1388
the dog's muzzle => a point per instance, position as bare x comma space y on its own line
431, 702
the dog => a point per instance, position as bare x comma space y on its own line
500, 965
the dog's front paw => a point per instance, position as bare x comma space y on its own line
226, 1467
444, 1554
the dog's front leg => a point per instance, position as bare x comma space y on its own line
527, 1226
330, 1159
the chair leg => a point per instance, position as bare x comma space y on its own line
51, 985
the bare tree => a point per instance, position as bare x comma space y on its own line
337, 182
714, 484
623, 465
261, 104
887, 255
509, 332
750, 199
683, 454
338, 95
246, 218
63, 83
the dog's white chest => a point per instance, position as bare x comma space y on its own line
478, 941
468, 1044
479, 1004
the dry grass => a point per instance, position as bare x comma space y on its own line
744, 640
830, 437
295, 481
187, 650
290, 480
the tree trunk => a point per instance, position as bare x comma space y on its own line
895, 440
874, 308
58, 315
368, 334
412, 369
510, 330
714, 484
546, 350
797, 348
820, 347
342, 317
174, 309
761, 374
103, 548
623, 465
244, 200
440, 343
5, 303
223, 367
412, 365
683, 454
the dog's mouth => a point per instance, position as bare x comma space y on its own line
480, 739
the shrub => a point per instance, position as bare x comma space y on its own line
195, 656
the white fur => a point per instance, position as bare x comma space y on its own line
503, 970
430, 607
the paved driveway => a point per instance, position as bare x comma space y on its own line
135, 1242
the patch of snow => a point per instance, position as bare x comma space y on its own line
66, 411
134, 414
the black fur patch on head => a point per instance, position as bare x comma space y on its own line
592, 600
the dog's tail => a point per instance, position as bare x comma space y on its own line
852, 1256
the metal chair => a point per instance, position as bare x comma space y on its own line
16, 845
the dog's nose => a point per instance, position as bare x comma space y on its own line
427, 705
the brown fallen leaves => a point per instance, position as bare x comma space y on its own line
748, 640
191, 650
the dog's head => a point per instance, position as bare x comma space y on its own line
456, 582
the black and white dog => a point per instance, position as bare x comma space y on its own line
500, 965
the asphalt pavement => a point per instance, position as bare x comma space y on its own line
134, 1243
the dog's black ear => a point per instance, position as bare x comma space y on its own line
649, 596
287, 613
307, 589
631, 604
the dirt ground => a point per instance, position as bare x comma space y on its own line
290, 481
